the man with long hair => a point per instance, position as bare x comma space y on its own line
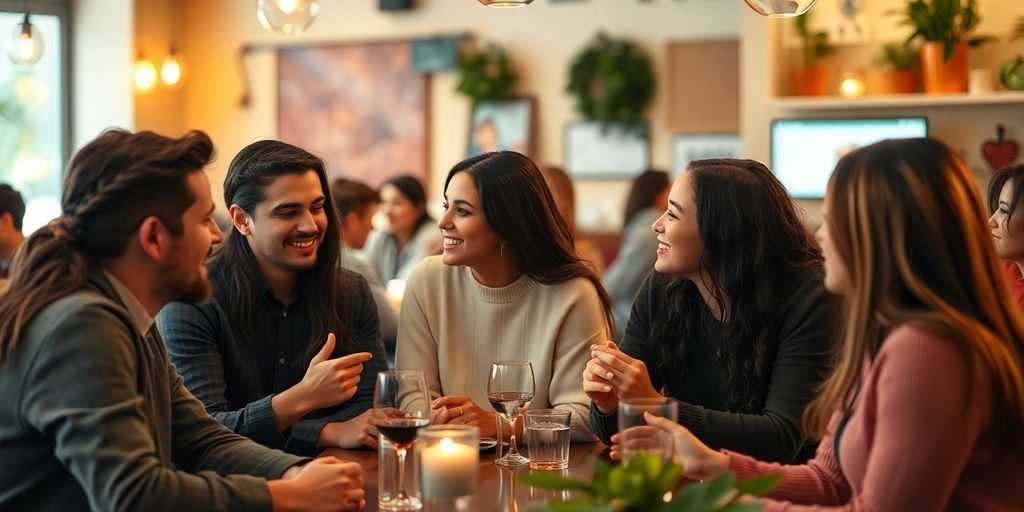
92, 414
287, 351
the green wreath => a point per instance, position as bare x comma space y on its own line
613, 82
486, 74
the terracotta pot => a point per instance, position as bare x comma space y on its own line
808, 81
944, 76
892, 82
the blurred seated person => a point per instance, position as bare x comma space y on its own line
356, 203
410, 235
12, 213
648, 198
1005, 195
561, 188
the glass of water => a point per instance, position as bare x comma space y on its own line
636, 436
547, 438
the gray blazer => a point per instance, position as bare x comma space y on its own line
94, 416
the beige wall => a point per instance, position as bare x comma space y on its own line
101, 68
541, 40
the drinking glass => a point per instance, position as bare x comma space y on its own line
547, 438
401, 407
509, 388
636, 436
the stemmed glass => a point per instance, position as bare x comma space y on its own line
509, 388
400, 408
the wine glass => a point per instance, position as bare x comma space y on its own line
400, 408
509, 388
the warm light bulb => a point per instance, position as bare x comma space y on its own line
781, 8
172, 70
286, 16
851, 88
26, 43
145, 76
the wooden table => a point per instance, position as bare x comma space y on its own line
498, 488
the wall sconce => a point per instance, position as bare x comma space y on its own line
286, 16
505, 4
144, 75
781, 8
26, 43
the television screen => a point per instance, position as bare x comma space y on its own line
805, 151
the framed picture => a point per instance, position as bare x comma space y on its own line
689, 147
610, 152
501, 125
360, 107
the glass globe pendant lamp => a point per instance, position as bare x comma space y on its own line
781, 8
286, 16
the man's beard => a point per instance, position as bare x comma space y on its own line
191, 289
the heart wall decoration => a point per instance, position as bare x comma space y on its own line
1000, 152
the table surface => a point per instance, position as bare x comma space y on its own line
498, 488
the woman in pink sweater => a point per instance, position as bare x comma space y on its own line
926, 407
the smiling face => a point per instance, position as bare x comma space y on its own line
288, 225
1007, 230
184, 277
679, 243
402, 214
468, 239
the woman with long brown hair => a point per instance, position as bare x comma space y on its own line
926, 406
509, 286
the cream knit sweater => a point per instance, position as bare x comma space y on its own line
451, 328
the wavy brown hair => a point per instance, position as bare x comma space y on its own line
233, 266
110, 187
907, 220
519, 208
754, 243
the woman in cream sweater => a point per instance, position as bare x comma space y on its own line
509, 286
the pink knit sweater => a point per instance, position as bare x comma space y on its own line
918, 440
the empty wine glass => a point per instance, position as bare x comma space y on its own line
400, 408
509, 388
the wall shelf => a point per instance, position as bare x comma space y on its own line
894, 101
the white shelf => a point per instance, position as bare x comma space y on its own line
810, 103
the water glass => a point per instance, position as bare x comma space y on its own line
636, 436
547, 438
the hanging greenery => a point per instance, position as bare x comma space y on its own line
486, 74
613, 82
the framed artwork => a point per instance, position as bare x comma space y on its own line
501, 125
360, 107
687, 147
612, 152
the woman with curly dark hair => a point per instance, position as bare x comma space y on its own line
735, 323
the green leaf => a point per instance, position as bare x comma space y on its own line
556, 483
720, 486
761, 485
742, 507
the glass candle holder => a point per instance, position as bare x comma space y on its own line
449, 458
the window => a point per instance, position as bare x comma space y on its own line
33, 112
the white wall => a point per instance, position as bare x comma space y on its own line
101, 58
541, 39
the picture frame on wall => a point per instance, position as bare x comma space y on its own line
687, 147
596, 151
502, 125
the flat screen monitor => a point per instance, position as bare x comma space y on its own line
805, 151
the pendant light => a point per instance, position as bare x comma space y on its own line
781, 8
172, 70
144, 75
506, 4
26, 42
286, 16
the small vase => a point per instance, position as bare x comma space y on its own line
944, 76
808, 81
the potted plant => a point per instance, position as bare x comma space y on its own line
613, 82
897, 74
1012, 73
486, 74
808, 79
945, 26
645, 484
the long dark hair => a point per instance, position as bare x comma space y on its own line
519, 208
906, 219
233, 266
645, 189
754, 242
412, 189
995, 187
111, 185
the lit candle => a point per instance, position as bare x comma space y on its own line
449, 469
